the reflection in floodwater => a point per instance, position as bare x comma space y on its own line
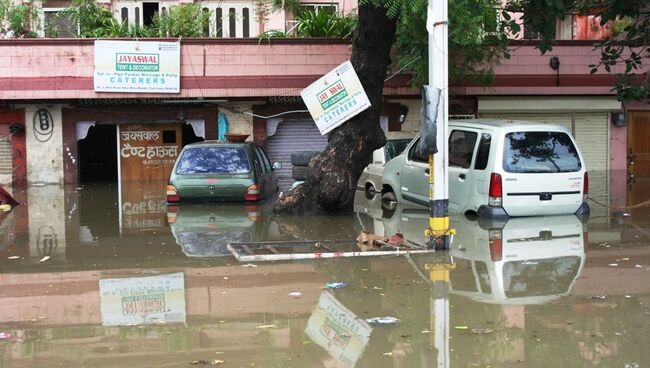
537, 292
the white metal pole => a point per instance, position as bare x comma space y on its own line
437, 29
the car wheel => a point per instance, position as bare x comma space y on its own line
389, 201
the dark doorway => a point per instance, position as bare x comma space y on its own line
189, 136
148, 12
98, 154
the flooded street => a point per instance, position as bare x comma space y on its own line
108, 276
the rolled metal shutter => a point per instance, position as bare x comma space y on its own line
291, 136
6, 164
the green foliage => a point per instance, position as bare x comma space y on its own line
477, 39
325, 24
17, 20
185, 20
93, 20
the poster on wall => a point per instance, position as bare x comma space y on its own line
137, 66
335, 98
143, 300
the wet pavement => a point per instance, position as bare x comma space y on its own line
109, 276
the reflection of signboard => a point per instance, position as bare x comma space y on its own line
148, 151
146, 67
335, 98
143, 300
143, 205
337, 330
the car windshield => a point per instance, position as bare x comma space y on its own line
213, 160
540, 152
395, 147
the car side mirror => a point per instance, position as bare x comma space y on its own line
277, 165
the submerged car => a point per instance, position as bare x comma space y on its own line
499, 169
396, 142
222, 171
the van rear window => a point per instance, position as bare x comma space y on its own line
540, 152
213, 160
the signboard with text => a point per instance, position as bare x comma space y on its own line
335, 98
136, 66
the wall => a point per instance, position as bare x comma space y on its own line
47, 218
239, 123
44, 151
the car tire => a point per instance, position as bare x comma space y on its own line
299, 172
302, 158
389, 201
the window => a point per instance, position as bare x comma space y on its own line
206, 25
483, 153
232, 23
394, 147
57, 23
148, 12
137, 16
414, 155
219, 24
214, 160
540, 152
331, 8
169, 136
125, 15
246, 19
461, 148
264, 161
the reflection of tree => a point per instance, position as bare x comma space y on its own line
538, 146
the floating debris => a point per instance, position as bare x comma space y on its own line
461, 327
44, 259
613, 265
382, 320
5, 335
387, 354
13, 257
335, 285
599, 297
295, 294
266, 326
481, 331
249, 265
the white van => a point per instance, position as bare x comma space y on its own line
499, 169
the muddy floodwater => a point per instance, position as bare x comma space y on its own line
110, 276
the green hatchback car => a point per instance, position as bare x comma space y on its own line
213, 171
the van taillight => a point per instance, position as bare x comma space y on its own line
252, 193
172, 194
496, 245
585, 187
495, 191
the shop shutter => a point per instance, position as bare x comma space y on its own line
5, 157
291, 136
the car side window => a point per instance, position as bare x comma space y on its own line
461, 148
414, 155
263, 159
483, 153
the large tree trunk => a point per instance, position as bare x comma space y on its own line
333, 174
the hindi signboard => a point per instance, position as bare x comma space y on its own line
143, 300
136, 66
335, 98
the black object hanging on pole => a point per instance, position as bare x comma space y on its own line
428, 121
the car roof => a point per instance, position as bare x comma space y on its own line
503, 123
210, 143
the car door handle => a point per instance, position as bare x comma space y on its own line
461, 176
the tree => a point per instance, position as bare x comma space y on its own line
333, 174
480, 41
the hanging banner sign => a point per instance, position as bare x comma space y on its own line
335, 98
136, 66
